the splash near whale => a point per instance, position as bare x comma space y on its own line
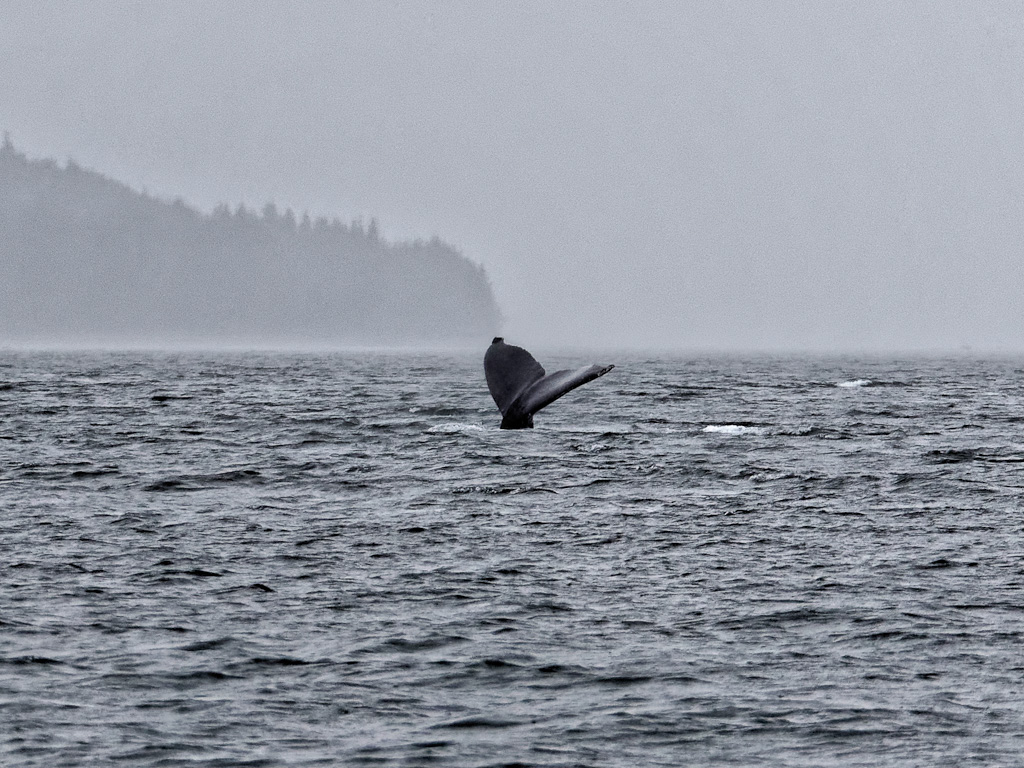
520, 386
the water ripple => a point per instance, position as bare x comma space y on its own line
261, 559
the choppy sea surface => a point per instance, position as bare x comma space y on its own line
271, 559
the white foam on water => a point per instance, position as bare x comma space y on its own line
854, 383
734, 429
453, 428
594, 448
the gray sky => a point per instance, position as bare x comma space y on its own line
723, 175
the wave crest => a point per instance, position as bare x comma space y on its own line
454, 427
734, 429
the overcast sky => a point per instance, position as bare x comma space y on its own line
718, 175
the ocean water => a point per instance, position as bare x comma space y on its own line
270, 559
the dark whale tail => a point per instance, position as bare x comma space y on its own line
520, 386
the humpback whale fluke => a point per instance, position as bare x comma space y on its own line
520, 386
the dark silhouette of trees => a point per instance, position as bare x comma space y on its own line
85, 258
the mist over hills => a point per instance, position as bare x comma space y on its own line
86, 259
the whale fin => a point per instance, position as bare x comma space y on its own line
520, 387
548, 389
509, 371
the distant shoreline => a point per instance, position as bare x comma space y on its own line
87, 260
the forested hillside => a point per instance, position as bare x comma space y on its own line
84, 258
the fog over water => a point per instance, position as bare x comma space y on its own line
783, 175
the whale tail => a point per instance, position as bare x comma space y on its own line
520, 387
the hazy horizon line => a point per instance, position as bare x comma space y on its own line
283, 348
